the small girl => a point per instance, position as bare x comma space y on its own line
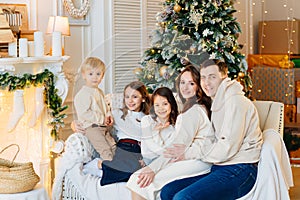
127, 125
157, 128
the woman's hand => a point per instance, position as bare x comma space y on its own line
145, 177
176, 152
77, 127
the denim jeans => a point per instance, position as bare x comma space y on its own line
222, 183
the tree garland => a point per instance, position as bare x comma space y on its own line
51, 99
77, 12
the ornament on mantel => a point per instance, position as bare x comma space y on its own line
77, 12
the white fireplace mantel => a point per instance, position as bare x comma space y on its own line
34, 141
35, 65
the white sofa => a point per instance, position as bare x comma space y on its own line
271, 115
274, 171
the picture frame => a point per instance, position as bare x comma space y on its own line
72, 21
20, 8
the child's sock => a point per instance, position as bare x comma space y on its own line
92, 168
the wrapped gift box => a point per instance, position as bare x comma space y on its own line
295, 153
273, 37
296, 61
298, 92
272, 60
290, 115
275, 84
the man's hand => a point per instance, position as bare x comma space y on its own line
145, 177
176, 152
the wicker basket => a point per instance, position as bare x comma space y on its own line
16, 177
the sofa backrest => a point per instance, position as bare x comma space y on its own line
271, 115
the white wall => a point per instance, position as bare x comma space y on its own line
276, 9
250, 12
272, 10
243, 17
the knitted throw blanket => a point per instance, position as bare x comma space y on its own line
77, 150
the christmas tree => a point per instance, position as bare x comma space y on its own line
189, 31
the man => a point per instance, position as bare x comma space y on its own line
235, 148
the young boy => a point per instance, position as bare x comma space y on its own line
92, 112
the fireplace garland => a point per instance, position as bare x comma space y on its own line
51, 98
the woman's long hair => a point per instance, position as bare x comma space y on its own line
168, 94
200, 97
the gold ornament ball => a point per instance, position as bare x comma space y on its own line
163, 70
149, 76
137, 70
177, 8
241, 74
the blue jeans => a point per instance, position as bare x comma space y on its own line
222, 183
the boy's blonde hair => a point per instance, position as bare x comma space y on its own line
92, 63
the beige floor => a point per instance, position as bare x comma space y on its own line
295, 191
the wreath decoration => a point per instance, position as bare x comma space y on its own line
51, 98
77, 12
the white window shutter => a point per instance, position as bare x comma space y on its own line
153, 7
130, 17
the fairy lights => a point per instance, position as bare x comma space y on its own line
268, 11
